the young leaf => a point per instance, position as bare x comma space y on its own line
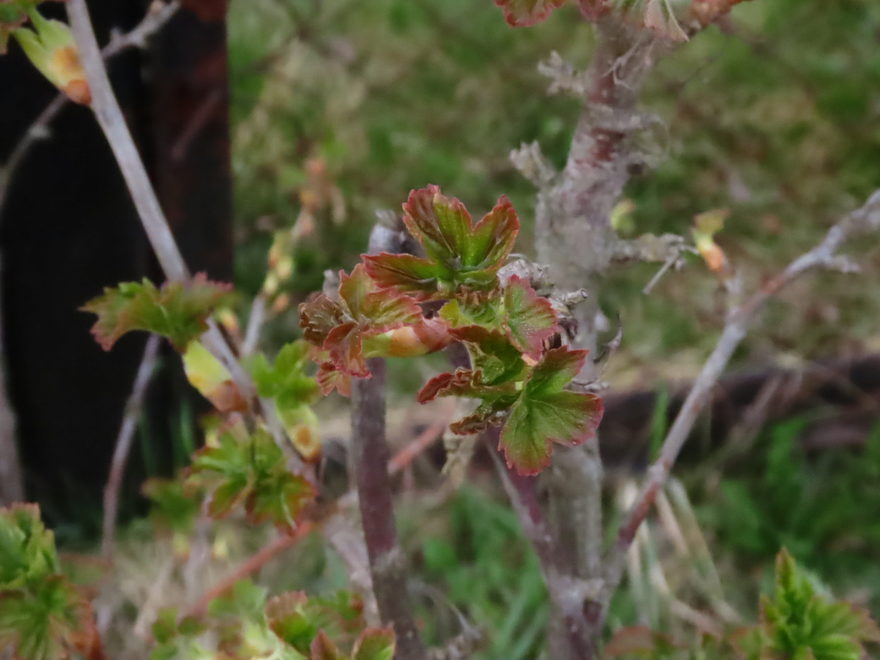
172, 509
375, 644
800, 623
459, 252
250, 471
293, 390
52, 50
178, 310
361, 323
298, 619
213, 381
545, 413
323, 648
49, 620
42, 615
706, 226
27, 548
529, 318
12, 16
523, 13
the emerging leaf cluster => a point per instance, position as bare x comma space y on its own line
42, 615
48, 44
178, 310
797, 622
248, 470
407, 305
288, 383
292, 626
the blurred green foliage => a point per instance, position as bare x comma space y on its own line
479, 566
818, 506
341, 107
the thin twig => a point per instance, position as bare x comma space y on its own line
124, 440
255, 323
825, 255
154, 20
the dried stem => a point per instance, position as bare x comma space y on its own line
825, 255
124, 440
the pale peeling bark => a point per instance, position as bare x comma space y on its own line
575, 238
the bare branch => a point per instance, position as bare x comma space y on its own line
133, 408
825, 255
112, 122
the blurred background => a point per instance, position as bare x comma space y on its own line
319, 113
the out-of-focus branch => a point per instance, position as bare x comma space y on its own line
826, 255
157, 16
112, 122
370, 456
133, 408
11, 478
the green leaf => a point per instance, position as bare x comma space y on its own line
174, 508
27, 548
12, 16
50, 46
529, 318
545, 413
362, 312
48, 620
250, 471
375, 644
178, 310
294, 390
464, 382
799, 622
524, 13
323, 648
286, 380
459, 252
298, 619
492, 354
405, 272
